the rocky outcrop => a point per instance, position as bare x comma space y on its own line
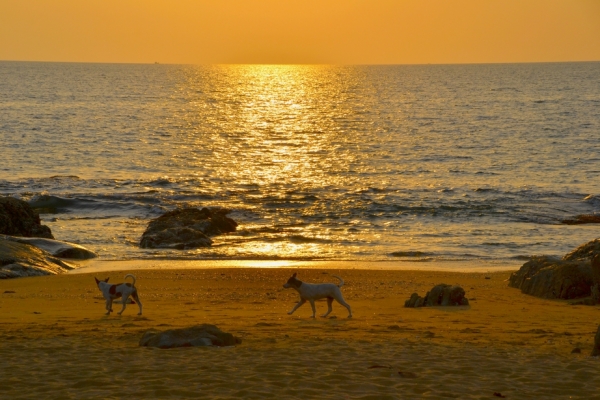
17, 218
551, 278
584, 252
571, 277
21, 259
439, 295
200, 335
55, 247
187, 228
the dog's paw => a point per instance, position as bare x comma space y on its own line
289, 312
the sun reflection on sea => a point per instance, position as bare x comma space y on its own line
280, 133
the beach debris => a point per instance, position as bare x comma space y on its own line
439, 295
576, 350
18, 218
596, 349
187, 228
199, 335
379, 366
571, 277
498, 394
9, 291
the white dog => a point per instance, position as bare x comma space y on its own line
312, 292
123, 290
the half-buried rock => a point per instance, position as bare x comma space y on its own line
439, 295
199, 335
187, 228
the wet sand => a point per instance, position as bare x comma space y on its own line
55, 341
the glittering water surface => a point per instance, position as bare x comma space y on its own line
456, 162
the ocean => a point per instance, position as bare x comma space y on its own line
429, 163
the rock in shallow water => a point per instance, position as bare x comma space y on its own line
17, 218
199, 335
187, 228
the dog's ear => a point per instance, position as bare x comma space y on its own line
106, 280
97, 281
293, 276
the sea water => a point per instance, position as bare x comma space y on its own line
369, 163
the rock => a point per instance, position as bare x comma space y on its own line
582, 219
17, 218
21, 260
584, 252
56, 247
440, 295
596, 349
200, 335
571, 277
551, 278
187, 228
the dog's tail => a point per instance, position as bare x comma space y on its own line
132, 277
341, 280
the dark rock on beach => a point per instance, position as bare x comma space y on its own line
17, 218
584, 252
187, 228
551, 278
22, 259
576, 275
439, 295
199, 335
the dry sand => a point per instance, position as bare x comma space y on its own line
55, 341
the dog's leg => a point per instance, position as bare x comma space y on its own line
342, 302
329, 302
108, 306
137, 300
124, 300
302, 301
312, 304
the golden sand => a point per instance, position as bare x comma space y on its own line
55, 341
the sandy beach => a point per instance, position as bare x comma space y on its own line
56, 342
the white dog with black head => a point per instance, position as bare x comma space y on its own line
311, 292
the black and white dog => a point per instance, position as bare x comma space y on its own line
123, 290
312, 292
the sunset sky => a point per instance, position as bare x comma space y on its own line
300, 31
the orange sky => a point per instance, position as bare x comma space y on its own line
300, 31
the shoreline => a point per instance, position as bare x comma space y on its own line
98, 265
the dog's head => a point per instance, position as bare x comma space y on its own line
98, 281
292, 282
